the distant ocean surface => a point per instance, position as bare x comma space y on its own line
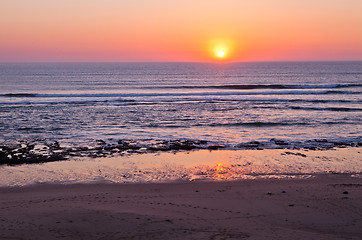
226, 103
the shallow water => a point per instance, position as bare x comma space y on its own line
220, 165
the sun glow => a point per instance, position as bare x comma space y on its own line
221, 49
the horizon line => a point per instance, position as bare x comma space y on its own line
213, 62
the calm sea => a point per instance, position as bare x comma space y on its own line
222, 103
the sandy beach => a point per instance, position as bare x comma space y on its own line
322, 207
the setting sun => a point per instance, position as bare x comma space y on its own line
221, 53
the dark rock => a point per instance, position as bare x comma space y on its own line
321, 140
30, 146
82, 149
3, 153
216, 146
280, 142
7, 148
74, 154
182, 145
100, 142
56, 157
296, 154
251, 145
72, 149
109, 147
55, 145
248, 145
340, 144
345, 192
158, 148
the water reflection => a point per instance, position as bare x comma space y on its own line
221, 165
218, 172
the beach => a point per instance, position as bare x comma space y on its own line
204, 194
180, 120
322, 207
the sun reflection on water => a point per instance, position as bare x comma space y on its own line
218, 172
222, 172
223, 165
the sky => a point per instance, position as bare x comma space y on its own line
180, 30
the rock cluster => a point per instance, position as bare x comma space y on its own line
316, 144
40, 151
28, 152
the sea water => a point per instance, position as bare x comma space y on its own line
225, 103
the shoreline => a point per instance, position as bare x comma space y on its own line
324, 207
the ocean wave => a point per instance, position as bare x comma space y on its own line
176, 94
235, 124
266, 86
152, 101
335, 109
19, 95
256, 124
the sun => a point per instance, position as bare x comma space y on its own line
220, 49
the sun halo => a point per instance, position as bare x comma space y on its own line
220, 49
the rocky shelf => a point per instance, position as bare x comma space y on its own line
42, 150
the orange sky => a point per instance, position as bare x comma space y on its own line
187, 30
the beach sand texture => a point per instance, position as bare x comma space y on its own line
323, 207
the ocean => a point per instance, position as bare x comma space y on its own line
222, 103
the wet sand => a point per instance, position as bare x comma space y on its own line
188, 166
323, 207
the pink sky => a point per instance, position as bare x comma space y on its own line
187, 30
